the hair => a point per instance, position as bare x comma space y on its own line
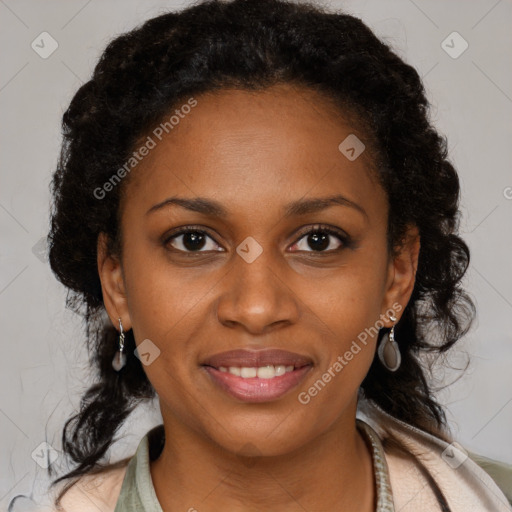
252, 45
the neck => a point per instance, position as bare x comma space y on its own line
333, 472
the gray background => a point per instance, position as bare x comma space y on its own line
43, 362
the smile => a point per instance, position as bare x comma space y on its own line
257, 384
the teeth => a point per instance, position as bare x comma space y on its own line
247, 373
263, 372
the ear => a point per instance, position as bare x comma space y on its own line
402, 274
112, 284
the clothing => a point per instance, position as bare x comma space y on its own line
137, 492
400, 484
500, 472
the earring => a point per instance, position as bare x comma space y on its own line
389, 351
120, 357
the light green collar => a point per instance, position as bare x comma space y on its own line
138, 494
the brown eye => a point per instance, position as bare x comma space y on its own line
320, 239
191, 240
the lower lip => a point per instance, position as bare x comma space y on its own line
255, 389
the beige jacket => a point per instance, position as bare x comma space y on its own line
466, 486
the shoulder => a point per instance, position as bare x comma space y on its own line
424, 461
102, 490
94, 492
500, 472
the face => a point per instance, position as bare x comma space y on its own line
266, 268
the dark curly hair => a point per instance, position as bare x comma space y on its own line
253, 44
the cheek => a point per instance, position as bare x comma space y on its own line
346, 308
348, 299
349, 312
167, 306
160, 295
351, 327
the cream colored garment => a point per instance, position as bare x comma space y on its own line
467, 487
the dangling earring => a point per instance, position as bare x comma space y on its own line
120, 357
389, 351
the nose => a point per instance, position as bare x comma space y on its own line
255, 296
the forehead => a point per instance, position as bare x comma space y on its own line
238, 145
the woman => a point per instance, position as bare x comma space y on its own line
261, 224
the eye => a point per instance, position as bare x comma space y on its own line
319, 239
189, 240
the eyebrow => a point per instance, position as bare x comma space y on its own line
216, 209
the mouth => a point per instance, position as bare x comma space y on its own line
257, 376
256, 389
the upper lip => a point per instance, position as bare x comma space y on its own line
257, 358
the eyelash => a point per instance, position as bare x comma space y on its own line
345, 240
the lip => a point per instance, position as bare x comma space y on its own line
254, 389
257, 358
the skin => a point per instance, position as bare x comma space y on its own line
255, 152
